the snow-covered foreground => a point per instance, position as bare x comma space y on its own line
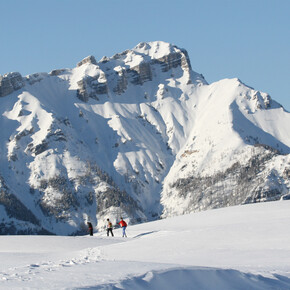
242, 247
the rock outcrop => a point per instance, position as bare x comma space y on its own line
36, 77
141, 73
57, 72
122, 80
174, 60
89, 59
91, 87
10, 82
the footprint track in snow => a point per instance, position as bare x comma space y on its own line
27, 272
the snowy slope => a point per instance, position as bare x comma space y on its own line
139, 134
237, 152
242, 247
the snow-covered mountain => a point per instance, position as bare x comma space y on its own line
140, 135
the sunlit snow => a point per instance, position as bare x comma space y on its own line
242, 247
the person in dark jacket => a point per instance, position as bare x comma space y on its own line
90, 226
109, 228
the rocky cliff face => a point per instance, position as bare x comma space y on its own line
139, 134
10, 82
114, 74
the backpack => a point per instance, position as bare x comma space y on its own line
110, 225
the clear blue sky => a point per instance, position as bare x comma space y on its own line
248, 39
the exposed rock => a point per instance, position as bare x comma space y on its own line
120, 55
89, 59
143, 72
91, 87
23, 133
140, 73
82, 93
10, 82
16, 80
104, 59
57, 72
57, 135
6, 87
122, 81
37, 77
38, 148
286, 173
174, 60
267, 101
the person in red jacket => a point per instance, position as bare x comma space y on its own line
123, 225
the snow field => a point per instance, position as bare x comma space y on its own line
242, 247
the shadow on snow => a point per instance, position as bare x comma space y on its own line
199, 279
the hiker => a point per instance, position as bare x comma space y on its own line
109, 228
123, 225
90, 226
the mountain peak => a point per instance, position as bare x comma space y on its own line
156, 49
89, 59
135, 66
